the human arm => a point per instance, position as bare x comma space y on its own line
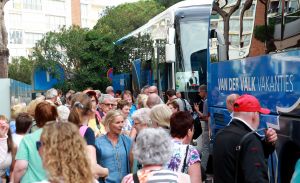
252, 161
19, 169
3, 140
270, 141
194, 166
97, 170
194, 172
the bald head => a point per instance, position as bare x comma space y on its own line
153, 99
153, 89
230, 101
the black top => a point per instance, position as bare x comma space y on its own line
89, 136
252, 159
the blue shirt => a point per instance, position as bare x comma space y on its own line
296, 175
115, 158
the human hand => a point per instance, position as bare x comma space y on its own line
3, 128
271, 135
196, 107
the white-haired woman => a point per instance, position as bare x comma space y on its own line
153, 149
113, 148
141, 118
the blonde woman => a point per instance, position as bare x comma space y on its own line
160, 116
64, 154
113, 148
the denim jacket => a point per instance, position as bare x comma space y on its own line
115, 158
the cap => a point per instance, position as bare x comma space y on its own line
91, 93
248, 103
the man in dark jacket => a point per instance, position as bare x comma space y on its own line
250, 165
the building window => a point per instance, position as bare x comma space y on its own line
15, 20
55, 22
84, 15
32, 38
32, 4
15, 36
55, 6
17, 4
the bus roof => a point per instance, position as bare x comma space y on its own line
168, 12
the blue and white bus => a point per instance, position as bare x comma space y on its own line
233, 46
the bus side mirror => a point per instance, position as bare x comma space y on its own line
170, 46
170, 53
221, 47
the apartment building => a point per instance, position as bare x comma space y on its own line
27, 20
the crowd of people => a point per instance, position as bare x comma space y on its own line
114, 137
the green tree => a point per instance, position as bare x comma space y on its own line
167, 3
21, 69
119, 21
86, 55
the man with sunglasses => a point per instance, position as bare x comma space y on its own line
106, 104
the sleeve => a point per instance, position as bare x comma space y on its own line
253, 162
3, 149
296, 174
194, 156
205, 108
89, 136
23, 151
128, 179
188, 105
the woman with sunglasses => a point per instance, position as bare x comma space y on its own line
113, 148
81, 110
28, 166
64, 154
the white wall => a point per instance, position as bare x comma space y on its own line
5, 97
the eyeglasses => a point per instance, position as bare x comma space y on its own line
38, 144
109, 104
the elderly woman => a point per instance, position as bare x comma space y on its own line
185, 157
113, 148
64, 154
142, 120
28, 166
95, 118
153, 149
160, 116
124, 107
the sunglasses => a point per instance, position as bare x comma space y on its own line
38, 144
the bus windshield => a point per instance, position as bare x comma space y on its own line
192, 56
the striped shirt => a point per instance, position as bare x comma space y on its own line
158, 176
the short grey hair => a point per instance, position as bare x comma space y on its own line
51, 93
153, 146
153, 99
104, 97
109, 89
143, 116
63, 113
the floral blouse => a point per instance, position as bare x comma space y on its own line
176, 162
